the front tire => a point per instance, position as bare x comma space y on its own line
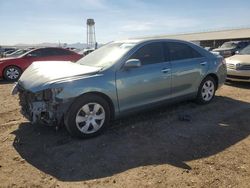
206, 90
88, 116
12, 73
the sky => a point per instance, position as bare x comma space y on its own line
37, 21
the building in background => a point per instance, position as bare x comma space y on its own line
211, 39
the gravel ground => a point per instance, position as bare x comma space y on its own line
182, 145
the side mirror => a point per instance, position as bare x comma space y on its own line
132, 63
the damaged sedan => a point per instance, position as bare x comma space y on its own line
118, 79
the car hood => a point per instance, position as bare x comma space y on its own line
243, 59
39, 75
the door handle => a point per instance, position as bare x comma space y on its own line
165, 70
203, 63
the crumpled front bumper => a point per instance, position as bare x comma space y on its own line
40, 112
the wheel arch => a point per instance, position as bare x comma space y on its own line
215, 77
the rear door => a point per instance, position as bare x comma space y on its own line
147, 84
188, 68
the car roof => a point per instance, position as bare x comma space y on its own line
138, 40
50, 48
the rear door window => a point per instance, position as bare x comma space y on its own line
181, 51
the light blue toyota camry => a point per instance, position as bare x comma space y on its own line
120, 78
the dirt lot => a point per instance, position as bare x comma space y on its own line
153, 149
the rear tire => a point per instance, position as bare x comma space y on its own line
206, 90
12, 73
88, 116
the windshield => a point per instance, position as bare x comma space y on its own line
106, 55
29, 51
245, 51
228, 45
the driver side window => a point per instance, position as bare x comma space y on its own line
150, 54
44, 52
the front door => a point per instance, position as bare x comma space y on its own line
147, 84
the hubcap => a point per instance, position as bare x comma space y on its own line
12, 73
90, 118
207, 90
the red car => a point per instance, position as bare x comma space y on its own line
12, 68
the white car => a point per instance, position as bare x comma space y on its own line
238, 66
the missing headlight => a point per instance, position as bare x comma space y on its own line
47, 95
39, 96
50, 93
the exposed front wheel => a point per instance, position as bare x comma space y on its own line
88, 116
12, 73
206, 90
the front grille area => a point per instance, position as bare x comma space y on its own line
239, 77
244, 67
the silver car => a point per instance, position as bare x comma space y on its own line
238, 66
118, 79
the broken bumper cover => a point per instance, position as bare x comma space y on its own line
49, 112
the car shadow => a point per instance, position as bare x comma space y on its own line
150, 138
2, 82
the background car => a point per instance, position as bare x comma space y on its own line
6, 51
72, 49
230, 48
86, 51
18, 52
12, 68
208, 48
118, 79
238, 66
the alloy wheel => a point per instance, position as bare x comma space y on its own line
12, 73
90, 118
208, 90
